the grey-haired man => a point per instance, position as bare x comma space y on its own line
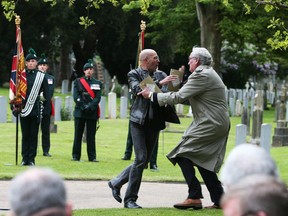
203, 144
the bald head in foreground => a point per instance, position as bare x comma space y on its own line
39, 192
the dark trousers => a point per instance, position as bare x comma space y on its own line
210, 178
129, 148
30, 128
144, 139
45, 130
79, 124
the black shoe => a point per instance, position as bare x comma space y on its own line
23, 163
115, 192
126, 157
132, 205
46, 154
75, 159
94, 160
31, 164
154, 168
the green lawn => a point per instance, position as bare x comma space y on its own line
111, 141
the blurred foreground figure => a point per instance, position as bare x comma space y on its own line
256, 195
39, 192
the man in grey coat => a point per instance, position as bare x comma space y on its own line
203, 144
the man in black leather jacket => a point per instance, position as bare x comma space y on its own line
146, 122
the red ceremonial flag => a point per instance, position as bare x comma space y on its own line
18, 83
140, 42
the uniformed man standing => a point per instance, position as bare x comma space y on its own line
31, 113
48, 109
87, 95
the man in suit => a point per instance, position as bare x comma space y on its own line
87, 96
203, 144
145, 124
31, 113
48, 109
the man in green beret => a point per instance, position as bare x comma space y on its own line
31, 112
48, 109
87, 96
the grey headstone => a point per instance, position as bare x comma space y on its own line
3, 110
240, 136
58, 107
123, 107
102, 107
265, 137
69, 103
65, 85
232, 106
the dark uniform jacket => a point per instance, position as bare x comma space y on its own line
86, 107
30, 76
48, 106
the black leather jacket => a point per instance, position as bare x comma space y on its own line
141, 109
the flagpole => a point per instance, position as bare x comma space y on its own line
18, 99
17, 23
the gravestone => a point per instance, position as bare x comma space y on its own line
240, 135
179, 109
245, 117
3, 110
232, 106
58, 107
280, 137
190, 113
238, 108
112, 105
266, 137
123, 107
257, 118
102, 107
65, 86
69, 103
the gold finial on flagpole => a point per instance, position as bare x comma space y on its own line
143, 25
17, 20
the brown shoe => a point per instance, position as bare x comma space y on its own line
189, 203
213, 207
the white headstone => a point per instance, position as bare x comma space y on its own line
112, 108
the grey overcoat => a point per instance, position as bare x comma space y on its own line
204, 141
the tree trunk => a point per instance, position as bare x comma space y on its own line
209, 17
65, 63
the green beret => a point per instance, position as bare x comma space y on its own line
89, 64
43, 59
31, 55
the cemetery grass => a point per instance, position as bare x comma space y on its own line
146, 211
110, 145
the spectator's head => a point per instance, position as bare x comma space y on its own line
256, 195
244, 160
149, 60
39, 192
